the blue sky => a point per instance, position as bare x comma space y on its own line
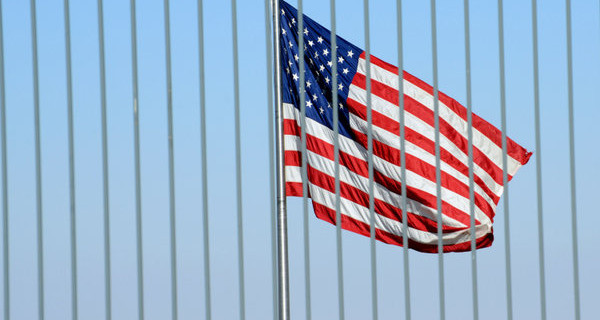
255, 165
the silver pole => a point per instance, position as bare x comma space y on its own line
5, 248
38, 160
467, 25
370, 162
576, 297
402, 122
207, 301
282, 255
238, 160
438, 174
138, 173
304, 160
172, 219
105, 182
502, 65
336, 150
538, 158
71, 139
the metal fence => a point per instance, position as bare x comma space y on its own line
138, 179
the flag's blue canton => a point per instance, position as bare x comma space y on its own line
318, 69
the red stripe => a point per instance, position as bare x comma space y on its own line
360, 167
348, 223
513, 149
427, 115
293, 158
293, 189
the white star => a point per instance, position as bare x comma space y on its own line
309, 104
293, 21
316, 54
320, 40
321, 68
328, 105
295, 76
291, 44
282, 11
308, 84
329, 63
327, 80
341, 86
346, 71
341, 105
321, 110
283, 31
325, 52
287, 70
290, 62
296, 57
311, 43
340, 59
350, 53
305, 31
315, 97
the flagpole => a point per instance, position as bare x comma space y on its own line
282, 248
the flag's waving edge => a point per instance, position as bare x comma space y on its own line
420, 147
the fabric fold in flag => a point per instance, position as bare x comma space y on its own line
421, 207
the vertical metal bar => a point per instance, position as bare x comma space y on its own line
438, 175
270, 111
304, 160
172, 220
105, 185
38, 161
402, 121
504, 159
572, 162
238, 160
72, 199
336, 147
282, 248
201, 67
138, 174
5, 247
370, 161
467, 24
538, 158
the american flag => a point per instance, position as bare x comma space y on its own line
419, 146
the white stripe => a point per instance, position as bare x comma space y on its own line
293, 173
480, 141
393, 112
325, 165
388, 169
